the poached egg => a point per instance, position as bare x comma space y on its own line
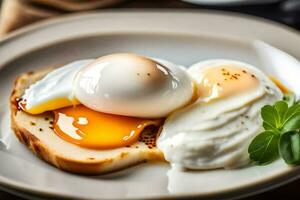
216, 130
107, 102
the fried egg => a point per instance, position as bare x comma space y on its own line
107, 102
215, 131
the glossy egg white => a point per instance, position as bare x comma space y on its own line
58, 84
132, 85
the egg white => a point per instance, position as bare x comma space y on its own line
58, 84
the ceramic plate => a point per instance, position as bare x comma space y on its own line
181, 37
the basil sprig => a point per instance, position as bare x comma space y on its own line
281, 136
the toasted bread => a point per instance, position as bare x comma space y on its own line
36, 132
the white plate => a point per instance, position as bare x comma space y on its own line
182, 37
230, 2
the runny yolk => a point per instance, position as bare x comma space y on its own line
224, 81
87, 128
49, 105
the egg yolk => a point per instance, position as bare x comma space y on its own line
49, 105
224, 81
91, 129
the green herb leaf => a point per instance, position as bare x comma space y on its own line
291, 120
292, 124
281, 136
281, 107
289, 147
264, 148
280, 118
270, 127
270, 116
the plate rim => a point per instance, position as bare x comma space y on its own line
287, 176
68, 17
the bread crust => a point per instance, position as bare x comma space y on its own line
89, 166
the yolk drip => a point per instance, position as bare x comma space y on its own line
279, 85
48, 105
87, 128
224, 81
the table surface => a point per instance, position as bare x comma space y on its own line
273, 12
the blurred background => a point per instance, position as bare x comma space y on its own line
19, 13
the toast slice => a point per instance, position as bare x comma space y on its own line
36, 132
